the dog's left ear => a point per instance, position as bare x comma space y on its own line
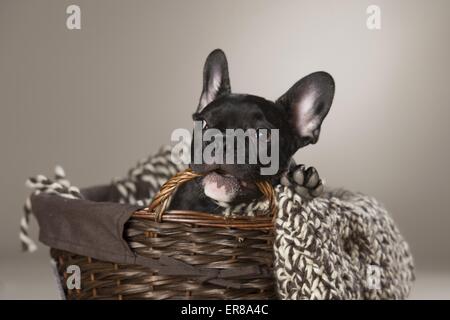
307, 103
216, 81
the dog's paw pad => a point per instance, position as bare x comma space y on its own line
298, 175
318, 189
306, 182
285, 181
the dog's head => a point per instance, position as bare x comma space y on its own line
297, 115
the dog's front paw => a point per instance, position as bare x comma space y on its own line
306, 182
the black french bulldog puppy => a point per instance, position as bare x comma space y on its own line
297, 114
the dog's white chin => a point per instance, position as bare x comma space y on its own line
220, 188
219, 194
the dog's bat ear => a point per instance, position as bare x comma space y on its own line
308, 102
216, 81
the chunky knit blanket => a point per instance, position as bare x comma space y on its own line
340, 245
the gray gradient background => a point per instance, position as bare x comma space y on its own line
98, 99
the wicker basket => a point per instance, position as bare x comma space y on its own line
220, 257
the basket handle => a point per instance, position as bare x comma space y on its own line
161, 201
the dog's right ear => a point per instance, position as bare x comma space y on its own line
307, 103
216, 81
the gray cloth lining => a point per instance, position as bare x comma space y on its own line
92, 226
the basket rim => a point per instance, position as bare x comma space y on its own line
206, 219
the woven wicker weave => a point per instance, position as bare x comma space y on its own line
209, 245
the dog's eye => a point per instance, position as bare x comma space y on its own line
204, 125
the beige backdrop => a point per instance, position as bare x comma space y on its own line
98, 99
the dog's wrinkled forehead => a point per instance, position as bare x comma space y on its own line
240, 111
